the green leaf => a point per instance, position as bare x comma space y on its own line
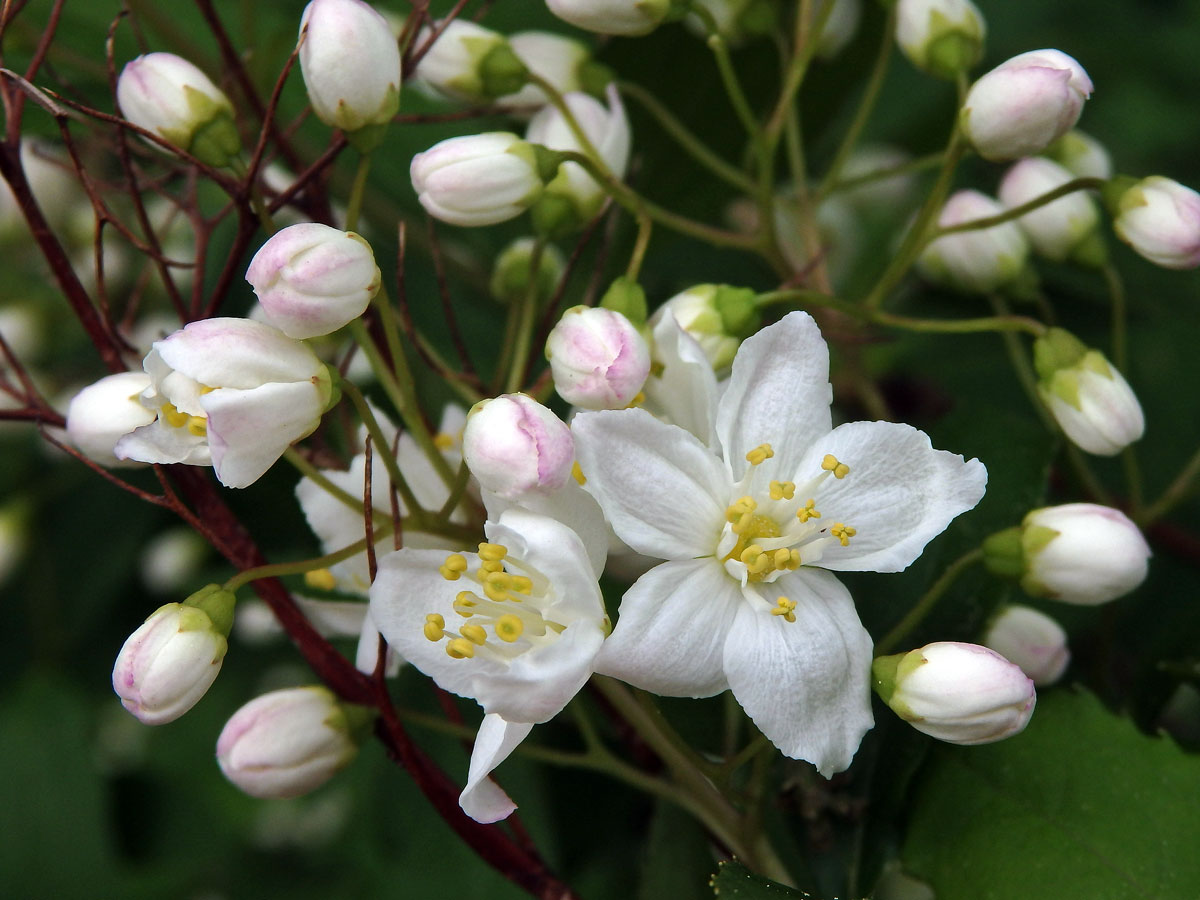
734, 881
676, 858
1080, 805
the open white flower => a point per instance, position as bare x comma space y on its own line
742, 521
515, 626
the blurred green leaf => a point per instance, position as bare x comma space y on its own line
734, 881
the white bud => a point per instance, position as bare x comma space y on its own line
955, 692
736, 20
1091, 401
840, 26
351, 66
1082, 553
171, 559
52, 185
477, 179
598, 358
942, 37
1031, 640
1081, 155
312, 279
103, 413
287, 743
511, 271
515, 446
553, 57
1024, 104
1061, 230
1160, 219
169, 96
168, 664
469, 62
882, 196
718, 317
978, 261
628, 17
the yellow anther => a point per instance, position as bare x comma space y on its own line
509, 628
843, 533
474, 633
495, 593
490, 565
460, 648
174, 417
830, 464
205, 389
465, 603
808, 511
786, 608
435, 627
499, 579
782, 490
788, 560
492, 552
443, 441
577, 473
740, 512
453, 567
321, 579
197, 425
638, 400
522, 585
759, 454
755, 559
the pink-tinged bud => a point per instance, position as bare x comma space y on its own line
598, 358
168, 664
1082, 553
169, 96
1031, 640
289, 742
958, 693
312, 279
351, 66
1025, 104
627, 17
978, 261
477, 179
1160, 219
515, 446
1062, 230
103, 413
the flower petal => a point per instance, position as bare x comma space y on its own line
482, 799
670, 638
778, 394
806, 684
572, 506
661, 489
685, 394
900, 493
237, 353
249, 430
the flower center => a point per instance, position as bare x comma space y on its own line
505, 614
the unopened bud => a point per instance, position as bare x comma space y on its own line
736, 20
515, 446
841, 23
1081, 155
978, 261
717, 316
627, 17
1031, 640
1090, 400
941, 37
103, 413
598, 358
1063, 230
958, 693
560, 60
477, 179
469, 62
513, 267
1160, 219
628, 298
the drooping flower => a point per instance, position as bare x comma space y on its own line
742, 522
516, 627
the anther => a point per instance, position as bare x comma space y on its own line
465, 603
786, 608
808, 511
474, 633
509, 628
174, 417
492, 552
460, 648
577, 473
453, 567
843, 533
521, 585
443, 441
830, 464
197, 425
759, 454
638, 400
782, 490
435, 627
321, 579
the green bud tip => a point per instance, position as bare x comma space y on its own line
626, 297
501, 71
1056, 349
217, 603
739, 311
1003, 553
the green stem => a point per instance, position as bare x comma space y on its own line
526, 322
1116, 293
278, 570
1079, 184
1176, 493
384, 451
925, 605
357, 190
731, 83
645, 227
313, 474
920, 164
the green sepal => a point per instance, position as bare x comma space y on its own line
368, 138
358, 721
1120, 193
546, 161
886, 674
1004, 553
501, 72
952, 53
1056, 349
330, 384
1091, 252
217, 604
628, 298
740, 316
555, 215
594, 77
215, 142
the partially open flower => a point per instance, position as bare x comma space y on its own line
469, 62
598, 358
717, 316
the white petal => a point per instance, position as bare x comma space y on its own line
158, 442
366, 655
899, 495
482, 799
806, 684
685, 394
570, 505
237, 353
556, 552
663, 492
671, 635
778, 394
249, 430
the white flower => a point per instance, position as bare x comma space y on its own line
1058, 230
1031, 640
103, 413
1160, 219
742, 521
628, 17
515, 626
477, 179
230, 393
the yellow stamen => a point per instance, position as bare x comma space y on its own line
197, 425
174, 417
321, 579
464, 604
782, 490
789, 560
830, 464
435, 627
460, 648
808, 511
443, 441
492, 552
759, 454
577, 473
474, 633
843, 533
638, 400
786, 608
454, 566
509, 628
521, 585
757, 562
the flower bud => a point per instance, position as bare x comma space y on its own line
515, 446
717, 316
736, 20
959, 693
477, 179
312, 279
1079, 553
841, 23
1160, 219
168, 664
1024, 105
1090, 400
978, 261
1031, 640
513, 267
53, 185
598, 358
169, 96
628, 17
289, 742
573, 196
1081, 155
941, 37
884, 195
103, 413
628, 298
351, 66
1063, 230
564, 62
469, 62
